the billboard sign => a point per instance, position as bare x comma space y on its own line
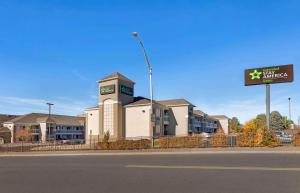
269, 75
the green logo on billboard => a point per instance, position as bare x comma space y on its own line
255, 75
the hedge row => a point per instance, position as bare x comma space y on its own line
126, 144
218, 140
181, 142
297, 140
256, 140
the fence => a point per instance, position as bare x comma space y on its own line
140, 143
31, 147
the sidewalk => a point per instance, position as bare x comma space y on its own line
192, 151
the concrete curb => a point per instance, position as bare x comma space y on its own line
157, 152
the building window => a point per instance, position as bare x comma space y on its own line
108, 116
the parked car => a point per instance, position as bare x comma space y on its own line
206, 135
283, 137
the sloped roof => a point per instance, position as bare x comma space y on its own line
115, 75
175, 102
140, 101
92, 108
212, 118
199, 113
36, 118
220, 117
4, 118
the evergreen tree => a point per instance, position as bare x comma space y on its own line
276, 121
261, 117
235, 125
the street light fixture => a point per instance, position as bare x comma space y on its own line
135, 34
49, 116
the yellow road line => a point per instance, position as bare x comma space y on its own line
214, 168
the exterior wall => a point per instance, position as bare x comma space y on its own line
117, 96
119, 128
92, 126
179, 120
119, 100
10, 126
138, 121
44, 131
113, 96
225, 125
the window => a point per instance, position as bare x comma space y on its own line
108, 116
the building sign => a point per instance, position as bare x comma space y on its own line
269, 75
110, 89
126, 90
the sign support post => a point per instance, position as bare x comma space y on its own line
268, 101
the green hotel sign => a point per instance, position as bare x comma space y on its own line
269, 75
126, 90
109, 89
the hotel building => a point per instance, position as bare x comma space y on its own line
125, 116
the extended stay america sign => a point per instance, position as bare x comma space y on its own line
269, 75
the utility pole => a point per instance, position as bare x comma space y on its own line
49, 116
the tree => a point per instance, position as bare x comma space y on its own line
261, 117
106, 136
235, 125
254, 133
23, 134
276, 121
286, 123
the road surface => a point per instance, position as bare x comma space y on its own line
207, 173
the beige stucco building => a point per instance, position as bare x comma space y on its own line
125, 116
43, 128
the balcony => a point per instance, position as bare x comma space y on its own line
70, 131
35, 131
166, 119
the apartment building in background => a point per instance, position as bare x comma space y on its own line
42, 128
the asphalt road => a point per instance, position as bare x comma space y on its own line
218, 173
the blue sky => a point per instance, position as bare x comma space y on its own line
57, 50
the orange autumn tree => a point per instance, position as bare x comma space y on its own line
23, 135
254, 133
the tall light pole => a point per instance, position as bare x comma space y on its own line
135, 34
49, 116
290, 113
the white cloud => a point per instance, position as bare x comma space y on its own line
17, 105
248, 108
